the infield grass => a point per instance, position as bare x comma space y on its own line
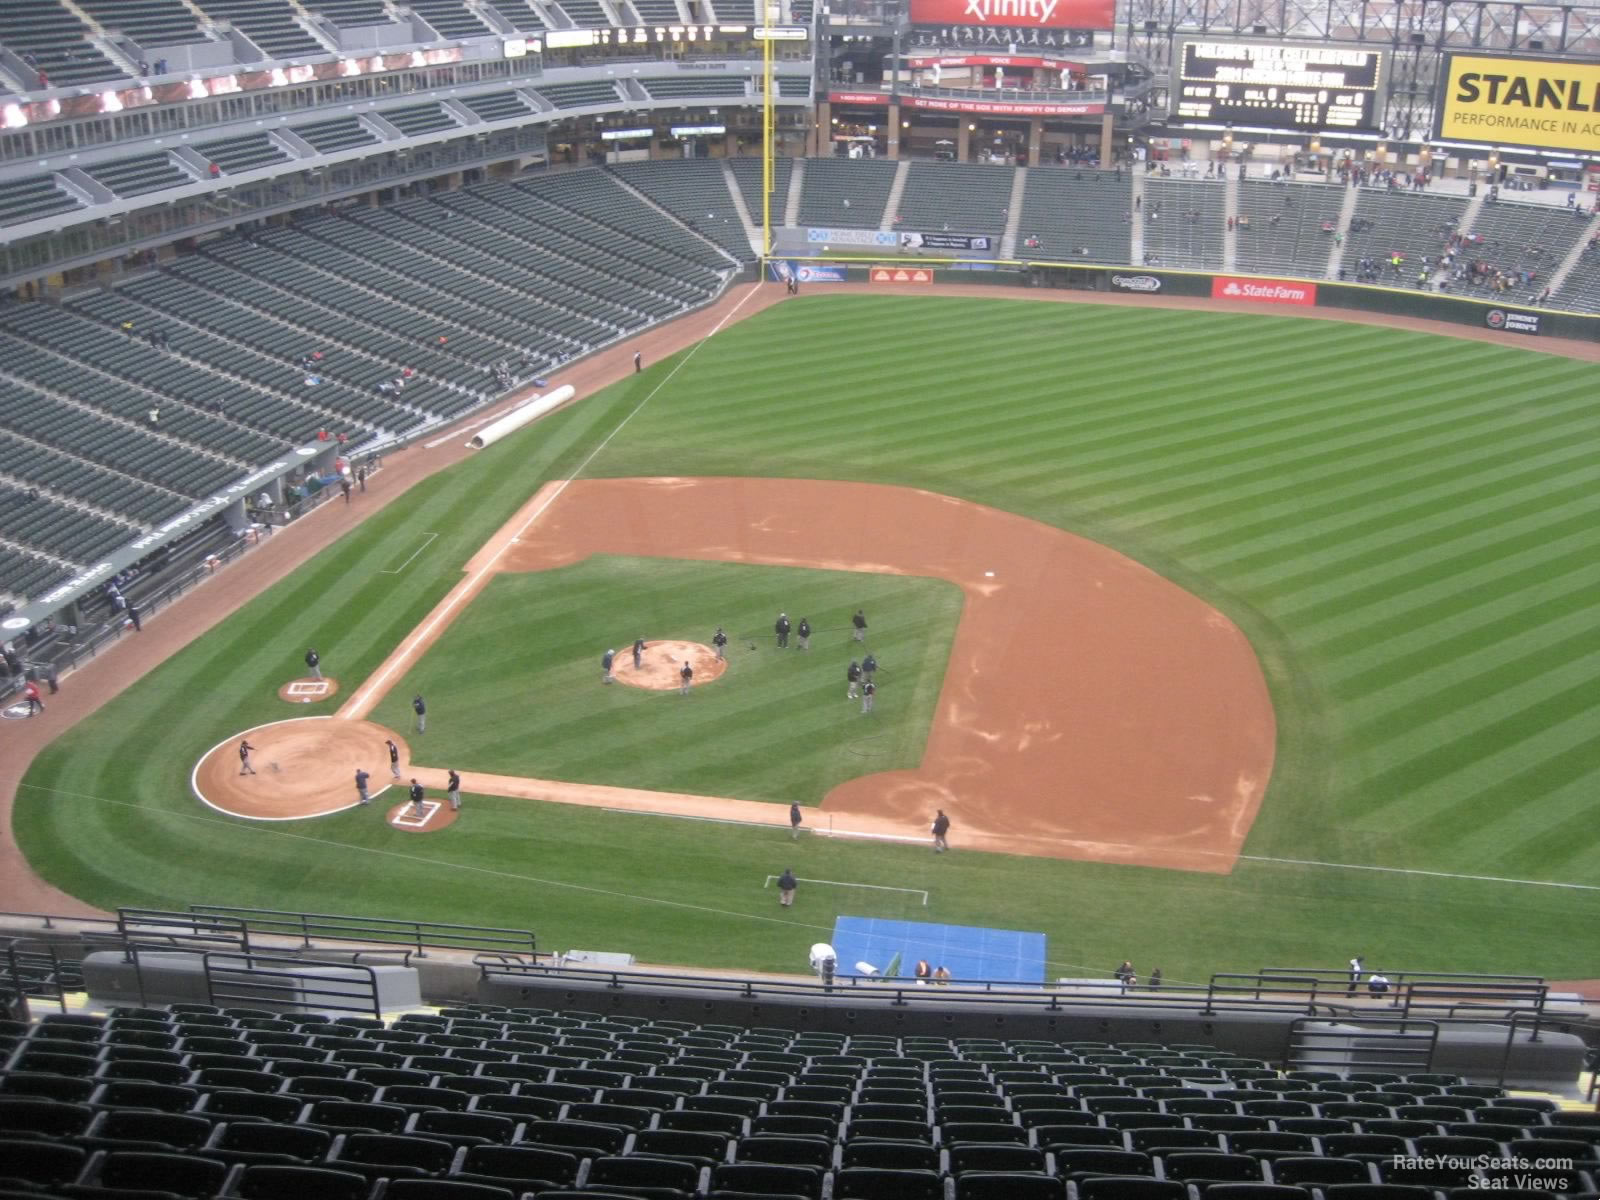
1404, 525
516, 678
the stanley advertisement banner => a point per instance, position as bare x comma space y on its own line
1521, 102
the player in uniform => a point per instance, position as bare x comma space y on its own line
421, 709
805, 634
394, 757
868, 691
361, 786
853, 676
452, 789
860, 623
244, 758
687, 675
781, 628
417, 795
720, 641
606, 659
638, 653
314, 664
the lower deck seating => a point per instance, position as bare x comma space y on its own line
1076, 214
696, 192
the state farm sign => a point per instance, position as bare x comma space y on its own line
1023, 14
1260, 291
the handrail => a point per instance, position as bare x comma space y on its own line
384, 930
298, 985
49, 919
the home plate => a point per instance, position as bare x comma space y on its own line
435, 815
988, 574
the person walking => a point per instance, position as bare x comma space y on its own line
687, 675
244, 758
720, 641
853, 677
794, 820
860, 623
638, 363
941, 832
419, 707
1357, 969
361, 786
638, 653
452, 789
786, 886
344, 486
394, 757
869, 667
609, 657
133, 615
781, 628
417, 795
805, 634
1125, 975
314, 664
868, 691
1155, 980
30, 693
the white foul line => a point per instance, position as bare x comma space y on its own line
414, 553
469, 587
1311, 862
877, 887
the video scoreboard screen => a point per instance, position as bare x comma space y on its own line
1278, 86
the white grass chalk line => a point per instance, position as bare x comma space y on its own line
469, 587
1333, 866
396, 570
877, 887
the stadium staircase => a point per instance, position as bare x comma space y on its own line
1569, 264
797, 183
751, 229
1136, 230
1469, 223
891, 208
1347, 212
1230, 233
1019, 189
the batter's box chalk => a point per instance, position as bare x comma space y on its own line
411, 821
308, 688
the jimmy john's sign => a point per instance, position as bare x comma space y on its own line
1521, 102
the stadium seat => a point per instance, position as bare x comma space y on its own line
516, 1166
1219, 1168
174, 1131
769, 1179
1080, 1164
34, 1162
444, 1189
250, 1106
185, 1174
261, 1137
980, 1157
24, 1115
984, 1185
1111, 1187
298, 1183
644, 1171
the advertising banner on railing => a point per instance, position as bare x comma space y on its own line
782, 270
879, 99
1510, 321
946, 241
900, 275
1016, 108
1016, 14
852, 237
1262, 291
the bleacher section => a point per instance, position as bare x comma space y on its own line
347, 13
747, 172
55, 40
270, 24
245, 153
36, 463
204, 1101
23, 573
1532, 238
1411, 224
1080, 215
416, 119
1183, 222
44, 524
498, 106
33, 198
688, 86
963, 199
150, 23
584, 12
140, 174
794, 86
520, 13
341, 133
845, 192
696, 192
658, 12
579, 95
1581, 291
450, 17
1286, 234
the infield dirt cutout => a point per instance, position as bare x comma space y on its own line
1145, 735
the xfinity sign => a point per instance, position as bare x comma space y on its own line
1018, 14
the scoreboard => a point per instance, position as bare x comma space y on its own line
1278, 85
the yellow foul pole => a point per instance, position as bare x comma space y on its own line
768, 125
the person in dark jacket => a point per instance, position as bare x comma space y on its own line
794, 820
314, 664
853, 676
609, 657
720, 641
860, 623
786, 886
941, 831
869, 667
638, 653
781, 628
805, 634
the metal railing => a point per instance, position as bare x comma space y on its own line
1361, 1042
37, 970
387, 931
157, 929
294, 984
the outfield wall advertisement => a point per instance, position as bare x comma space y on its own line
1262, 291
1521, 102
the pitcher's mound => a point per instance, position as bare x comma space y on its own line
663, 660
308, 690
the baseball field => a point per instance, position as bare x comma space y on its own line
1397, 530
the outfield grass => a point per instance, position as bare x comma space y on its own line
1404, 525
515, 681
